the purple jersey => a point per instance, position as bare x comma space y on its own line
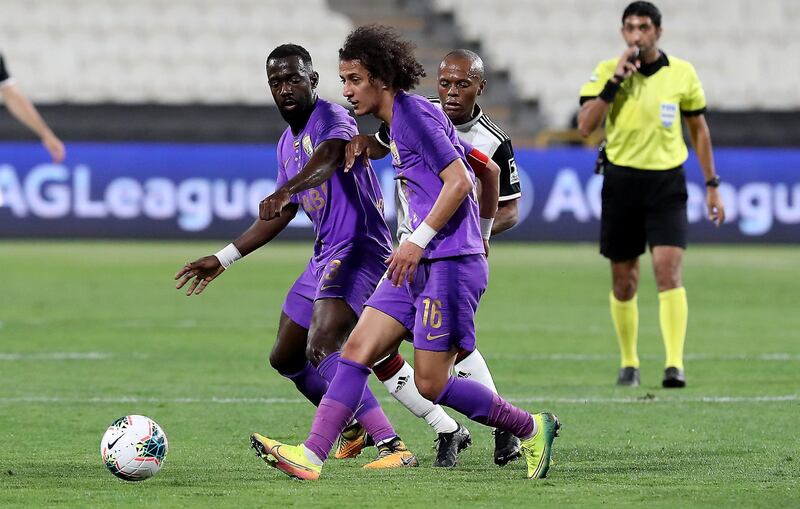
346, 209
423, 143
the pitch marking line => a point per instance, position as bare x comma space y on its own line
648, 399
68, 356
55, 356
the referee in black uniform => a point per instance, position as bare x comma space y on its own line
642, 96
24, 111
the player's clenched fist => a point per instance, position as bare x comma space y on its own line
201, 272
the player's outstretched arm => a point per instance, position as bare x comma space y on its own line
328, 156
204, 270
457, 186
24, 111
366, 147
701, 141
201, 272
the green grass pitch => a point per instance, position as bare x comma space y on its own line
92, 331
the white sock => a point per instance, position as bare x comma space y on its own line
474, 367
313, 458
404, 390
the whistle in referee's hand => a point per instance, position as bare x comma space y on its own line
634, 56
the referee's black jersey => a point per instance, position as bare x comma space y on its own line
4, 76
483, 134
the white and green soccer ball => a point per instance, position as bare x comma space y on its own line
134, 447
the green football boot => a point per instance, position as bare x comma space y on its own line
538, 449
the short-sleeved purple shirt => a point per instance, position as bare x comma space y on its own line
423, 143
348, 208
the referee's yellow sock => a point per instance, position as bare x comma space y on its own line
625, 315
673, 313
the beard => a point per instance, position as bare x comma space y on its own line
296, 115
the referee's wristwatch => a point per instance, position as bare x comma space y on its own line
713, 181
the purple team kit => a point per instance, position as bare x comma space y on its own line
352, 239
439, 305
351, 246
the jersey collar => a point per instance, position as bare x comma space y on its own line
653, 67
476, 115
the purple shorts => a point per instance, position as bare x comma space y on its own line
439, 306
349, 273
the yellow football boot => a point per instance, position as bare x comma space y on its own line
289, 459
538, 449
351, 442
393, 454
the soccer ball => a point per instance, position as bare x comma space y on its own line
133, 448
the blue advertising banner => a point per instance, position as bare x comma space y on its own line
152, 190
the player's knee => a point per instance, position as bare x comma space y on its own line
429, 388
625, 286
322, 343
624, 291
356, 348
668, 281
315, 353
285, 365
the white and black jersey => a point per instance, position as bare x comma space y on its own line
483, 134
5, 78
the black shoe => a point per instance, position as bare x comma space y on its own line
449, 445
673, 378
628, 376
506, 447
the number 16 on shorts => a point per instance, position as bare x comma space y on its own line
432, 321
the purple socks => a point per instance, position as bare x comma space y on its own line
309, 382
346, 392
369, 413
482, 405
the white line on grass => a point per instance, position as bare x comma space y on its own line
648, 398
55, 356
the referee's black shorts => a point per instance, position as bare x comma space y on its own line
642, 207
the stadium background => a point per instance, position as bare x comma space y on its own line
170, 128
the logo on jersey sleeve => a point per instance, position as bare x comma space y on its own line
308, 147
668, 113
395, 153
514, 176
